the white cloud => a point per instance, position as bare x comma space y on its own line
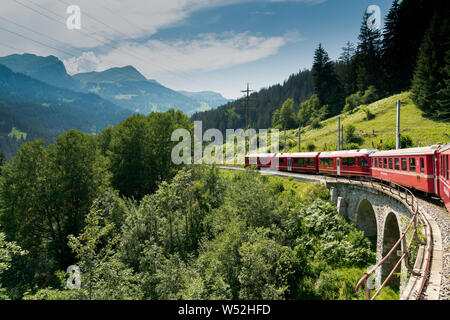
88, 61
207, 52
106, 21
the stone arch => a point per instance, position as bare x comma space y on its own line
391, 234
366, 220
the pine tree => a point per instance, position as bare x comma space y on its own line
325, 82
431, 77
2, 161
392, 52
368, 57
346, 69
405, 27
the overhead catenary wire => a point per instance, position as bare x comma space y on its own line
90, 35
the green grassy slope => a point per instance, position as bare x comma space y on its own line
423, 131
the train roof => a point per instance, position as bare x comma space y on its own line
347, 153
293, 155
445, 148
252, 155
405, 152
299, 154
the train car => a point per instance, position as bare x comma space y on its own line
345, 163
413, 168
443, 174
262, 160
305, 162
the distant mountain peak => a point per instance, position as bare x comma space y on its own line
48, 69
117, 74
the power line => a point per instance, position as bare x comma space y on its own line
247, 115
90, 35
140, 29
165, 68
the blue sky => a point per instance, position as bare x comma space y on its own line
191, 45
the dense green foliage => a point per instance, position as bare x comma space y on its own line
431, 83
47, 193
201, 237
139, 150
325, 82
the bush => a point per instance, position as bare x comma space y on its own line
315, 191
368, 115
353, 101
315, 124
310, 147
370, 95
351, 146
405, 142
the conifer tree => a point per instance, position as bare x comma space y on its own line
325, 82
431, 77
368, 56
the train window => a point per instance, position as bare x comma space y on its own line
444, 167
390, 164
412, 164
397, 164
349, 162
422, 165
404, 164
447, 167
364, 163
380, 163
298, 162
385, 163
375, 162
326, 161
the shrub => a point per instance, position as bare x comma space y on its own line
315, 124
310, 147
370, 95
353, 101
368, 115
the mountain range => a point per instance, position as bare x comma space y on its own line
125, 86
39, 99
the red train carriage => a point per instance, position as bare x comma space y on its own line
298, 162
413, 167
443, 174
262, 160
345, 163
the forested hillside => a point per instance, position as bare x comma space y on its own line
373, 126
410, 53
262, 105
38, 110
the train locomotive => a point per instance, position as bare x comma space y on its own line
426, 169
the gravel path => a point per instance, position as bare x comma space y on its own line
442, 217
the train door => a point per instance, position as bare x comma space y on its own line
338, 165
289, 161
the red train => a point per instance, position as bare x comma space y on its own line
426, 169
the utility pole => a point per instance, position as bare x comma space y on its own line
299, 138
247, 100
339, 134
342, 137
397, 145
284, 140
